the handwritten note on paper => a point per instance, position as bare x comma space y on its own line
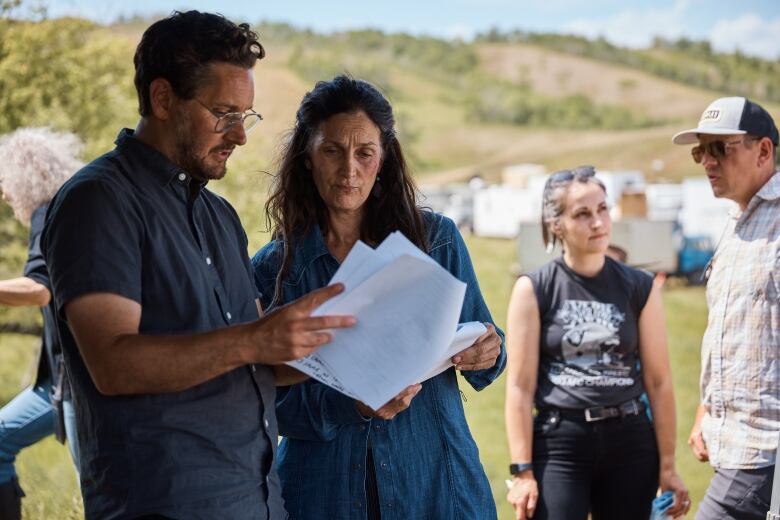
407, 308
313, 366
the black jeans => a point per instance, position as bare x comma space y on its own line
608, 468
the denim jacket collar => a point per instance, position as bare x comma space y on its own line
311, 247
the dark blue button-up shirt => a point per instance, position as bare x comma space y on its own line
427, 463
134, 224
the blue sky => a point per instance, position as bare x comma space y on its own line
751, 26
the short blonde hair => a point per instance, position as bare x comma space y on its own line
34, 163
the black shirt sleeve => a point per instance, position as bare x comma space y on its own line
35, 268
92, 242
643, 285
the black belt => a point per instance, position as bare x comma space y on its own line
600, 413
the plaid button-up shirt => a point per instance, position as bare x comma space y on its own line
740, 382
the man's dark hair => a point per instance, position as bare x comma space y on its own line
181, 47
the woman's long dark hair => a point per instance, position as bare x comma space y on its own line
295, 205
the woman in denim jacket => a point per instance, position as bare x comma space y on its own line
342, 178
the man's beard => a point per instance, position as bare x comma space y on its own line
187, 157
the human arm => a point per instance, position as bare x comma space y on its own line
122, 361
523, 329
657, 377
696, 440
23, 292
31, 289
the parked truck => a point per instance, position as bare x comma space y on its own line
654, 245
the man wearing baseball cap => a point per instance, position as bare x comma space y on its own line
738, 420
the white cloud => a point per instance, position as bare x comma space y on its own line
748, 33
459, 31
635, 27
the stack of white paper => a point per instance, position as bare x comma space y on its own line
407, 308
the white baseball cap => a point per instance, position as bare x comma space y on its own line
730, 116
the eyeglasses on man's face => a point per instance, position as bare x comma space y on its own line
228, 120
717, 149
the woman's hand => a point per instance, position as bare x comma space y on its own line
669, 480
394, 406
523, 495
482, 354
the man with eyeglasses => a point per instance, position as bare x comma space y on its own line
172, 372
738, 419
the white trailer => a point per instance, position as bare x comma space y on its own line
650, 244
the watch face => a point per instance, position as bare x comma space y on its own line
516, 469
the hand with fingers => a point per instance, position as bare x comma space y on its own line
670, 481
523, 495
697, 444
394, 406
482, 354
290, 332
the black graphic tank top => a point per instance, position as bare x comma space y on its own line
589, 341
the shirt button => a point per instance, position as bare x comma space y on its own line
377, 427
228, 316
208, 260
356, 467
182, 177
384, 465
362, 427
356, 504
389, 504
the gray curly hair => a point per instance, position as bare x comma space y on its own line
34, 163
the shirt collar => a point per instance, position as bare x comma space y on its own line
769, 191
311, 247
148, 158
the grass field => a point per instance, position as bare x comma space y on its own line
49, 480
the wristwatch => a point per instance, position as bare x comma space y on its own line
516, 469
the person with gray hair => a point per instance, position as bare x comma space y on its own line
585, 340
34, 163
736, 425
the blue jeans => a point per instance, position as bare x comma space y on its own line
27, 419
608, 468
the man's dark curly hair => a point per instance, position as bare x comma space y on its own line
181, 47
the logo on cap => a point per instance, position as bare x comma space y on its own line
712, 114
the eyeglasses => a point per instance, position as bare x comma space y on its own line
226, 121
580, 172
716, 149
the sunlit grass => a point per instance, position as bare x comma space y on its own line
47, 474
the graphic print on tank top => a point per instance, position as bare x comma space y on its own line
589, 346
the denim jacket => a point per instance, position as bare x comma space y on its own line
427, 464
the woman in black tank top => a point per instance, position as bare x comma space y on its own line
586, 342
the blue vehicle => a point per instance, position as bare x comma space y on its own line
694, 257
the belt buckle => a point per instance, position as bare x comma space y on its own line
589, 417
